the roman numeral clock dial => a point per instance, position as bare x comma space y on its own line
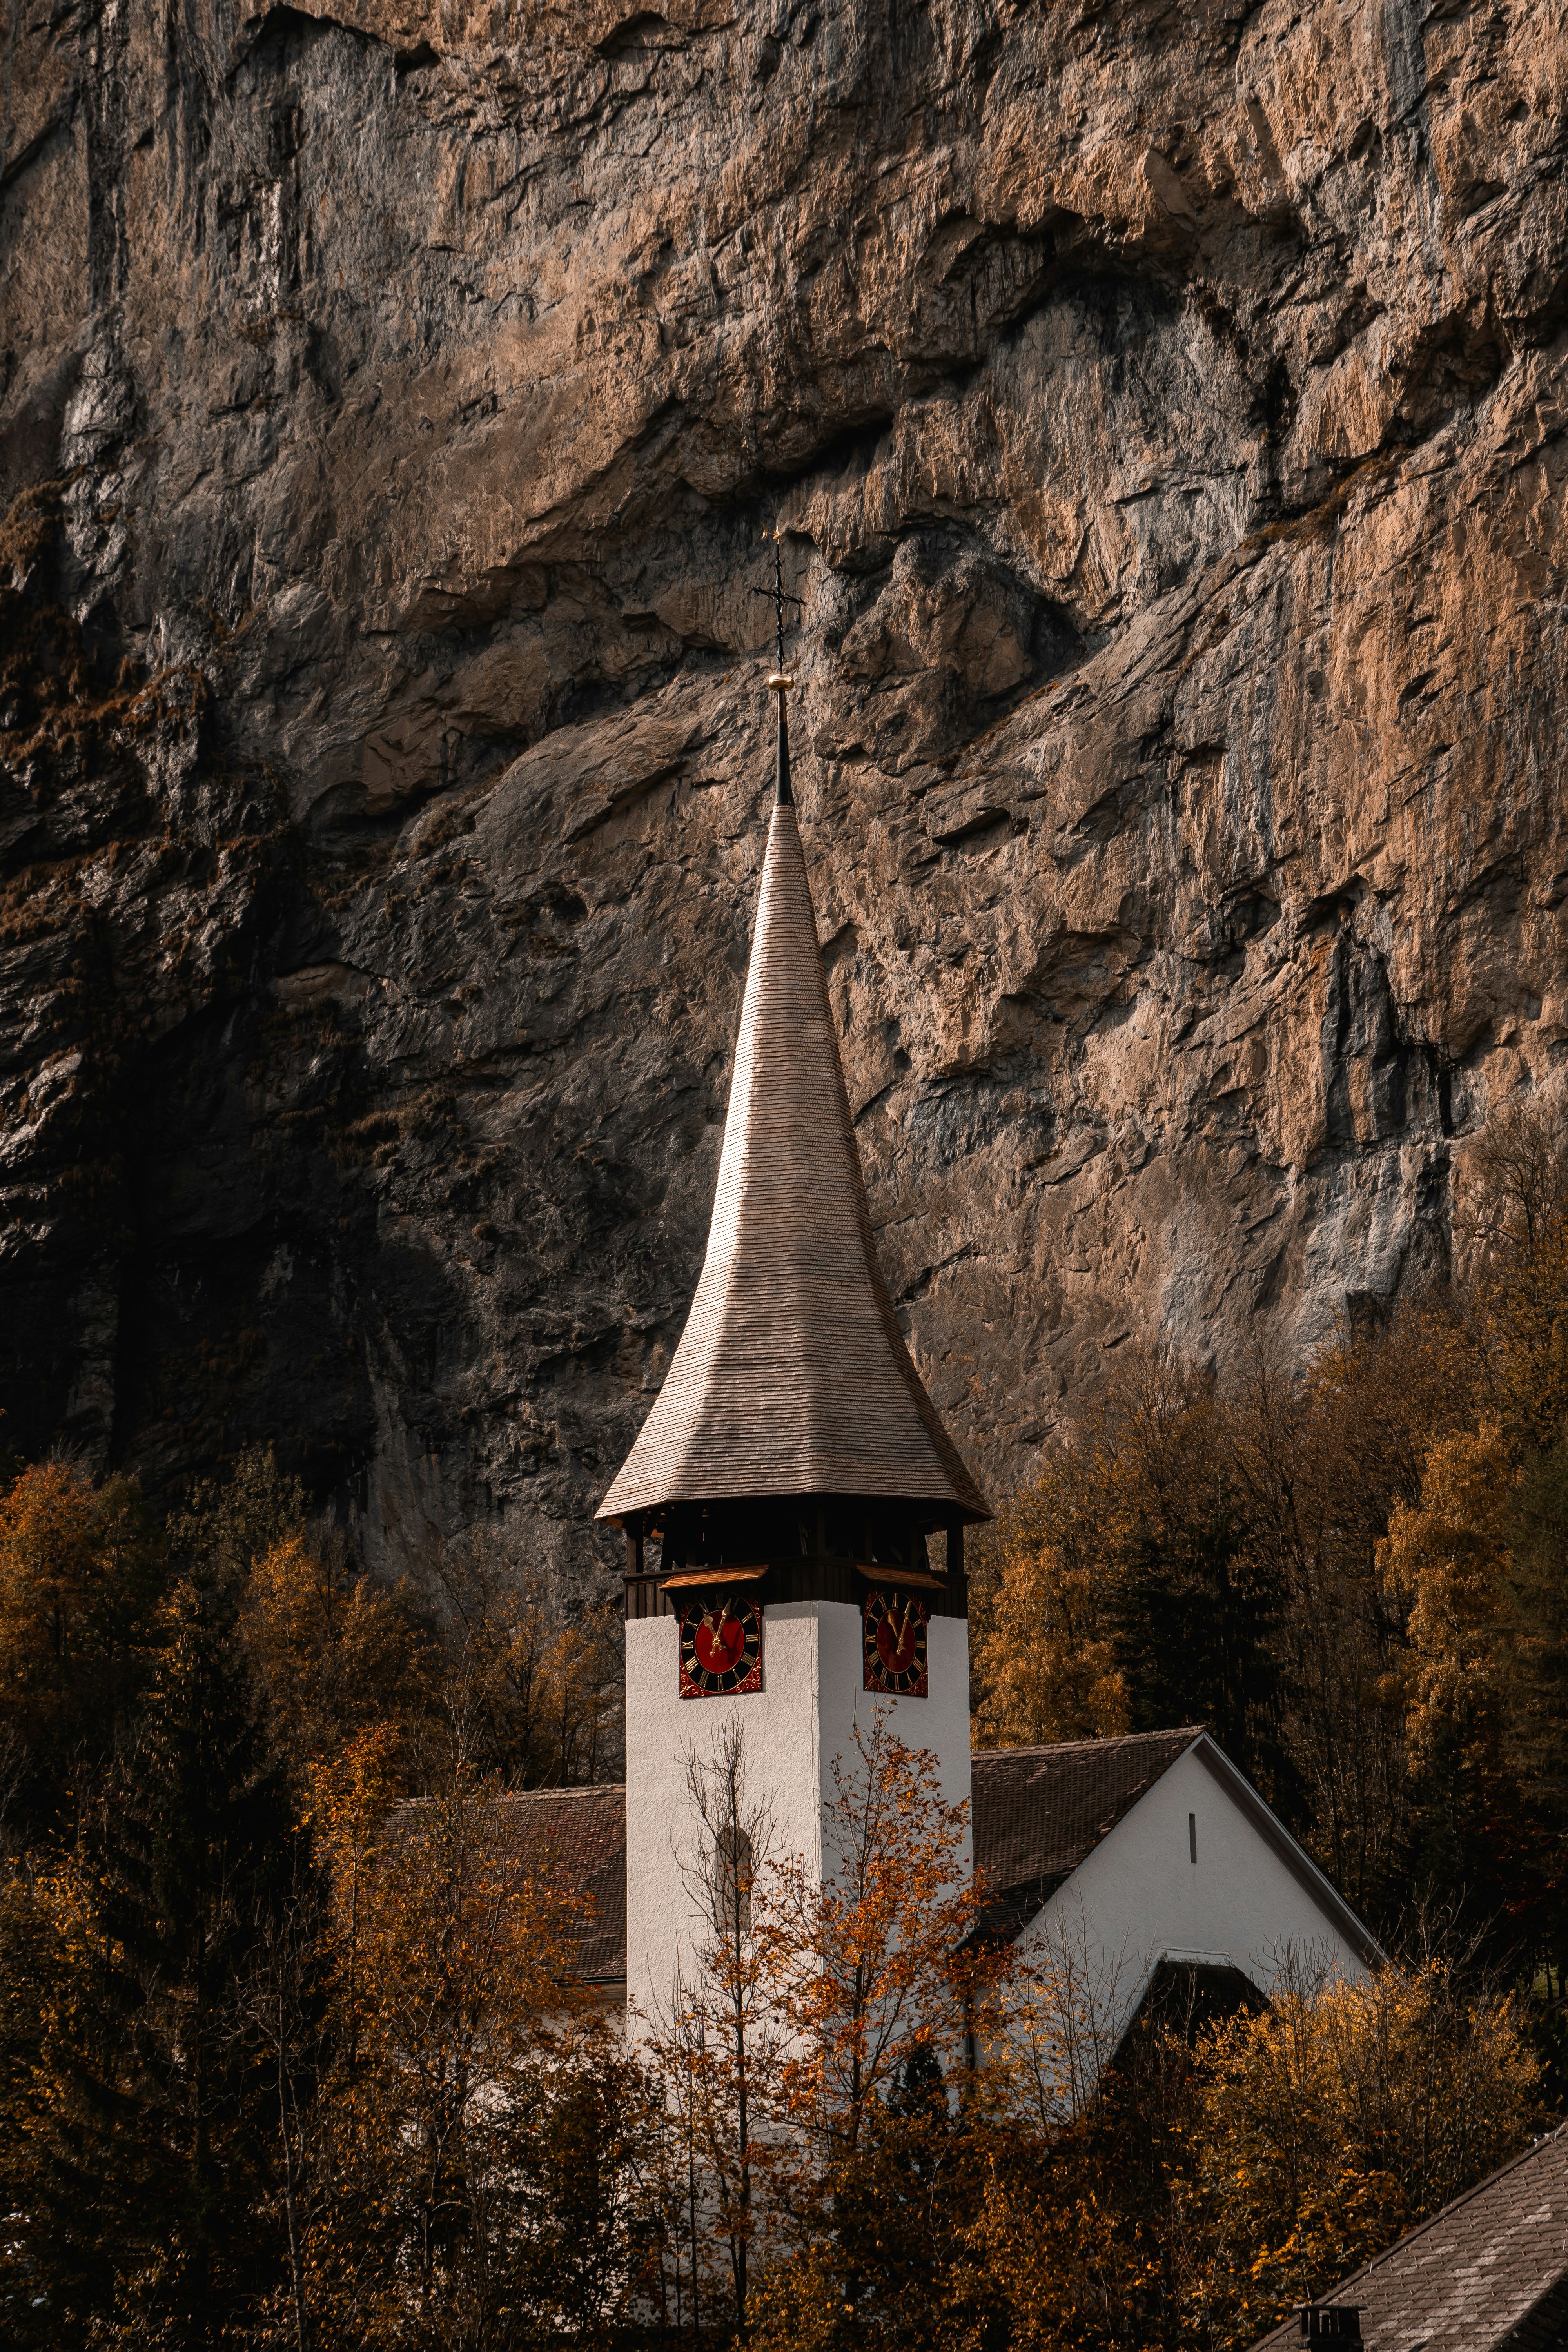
894, 1627
720, 1646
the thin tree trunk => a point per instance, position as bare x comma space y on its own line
691, 2193
296, 2275
743, 2118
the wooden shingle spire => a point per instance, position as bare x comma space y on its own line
792, 1376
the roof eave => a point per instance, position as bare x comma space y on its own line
1299, 1863
946, 1506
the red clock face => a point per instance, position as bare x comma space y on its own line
720, 1646
894, 1627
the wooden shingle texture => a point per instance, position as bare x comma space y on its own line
1040, 1811
1490, 2274
1037, 1812
792, 1376
576, 1839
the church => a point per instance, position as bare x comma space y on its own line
794, 1514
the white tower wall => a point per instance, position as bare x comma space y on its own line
804, 1717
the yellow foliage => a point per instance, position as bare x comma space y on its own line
1333, 2121
1044, 1660
1077, 2273
456, 2005
78, 1576
335, 1650
1445, 1562
541, 1690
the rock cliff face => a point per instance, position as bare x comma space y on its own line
1166, 408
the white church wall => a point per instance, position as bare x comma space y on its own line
803, 1718
1140, 1898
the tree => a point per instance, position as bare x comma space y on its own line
1333, 2121
459, 2031
1130, 1592
334, 1649
888, 2000
230, 1526
1532, 1637
716, 2041
150, 2190
1069, 2250
80, 1573
541, 1686
1513, 1210
1478, 1563
1046, 1658
598, 2192
1197, 1612
1324, 1462
1448, 1559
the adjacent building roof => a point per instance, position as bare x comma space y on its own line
1491, 2272
579, 1835
792, 1376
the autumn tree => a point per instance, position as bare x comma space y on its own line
1127, 1591
597, 2192
1513, 1210
1324, 1459
1068, 2249
888, 1996
150, 2194
1532, 1640
1447, 1557
1334, 2120
81, 1572
541, 1685
336, 1650
230, 1523
1045, 1660
1197, 1612
468, 2067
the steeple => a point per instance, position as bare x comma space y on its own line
792, 1378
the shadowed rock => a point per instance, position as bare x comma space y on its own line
1166, 412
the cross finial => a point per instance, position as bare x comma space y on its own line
777, 598
781, 681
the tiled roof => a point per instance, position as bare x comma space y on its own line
580, 1836
792, 1376
1490, 2272
1039, 1811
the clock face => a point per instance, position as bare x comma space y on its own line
720, 1646
894, 1627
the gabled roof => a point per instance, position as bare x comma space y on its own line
1038, 1813
579, 1835
1490, 2271
792, 1376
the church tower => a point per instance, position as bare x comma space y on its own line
780, 1500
